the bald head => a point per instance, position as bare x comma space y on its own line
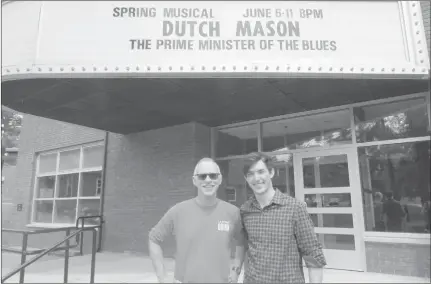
206, 161
207, 177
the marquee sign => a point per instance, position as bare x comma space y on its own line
283, 38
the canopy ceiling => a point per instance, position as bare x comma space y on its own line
128, 105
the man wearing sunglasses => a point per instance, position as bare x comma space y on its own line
206, 231
279, 232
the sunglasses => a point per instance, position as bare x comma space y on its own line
212, 176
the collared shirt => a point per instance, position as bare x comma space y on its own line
278, 237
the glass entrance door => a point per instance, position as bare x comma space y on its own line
328, 181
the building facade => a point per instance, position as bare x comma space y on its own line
342, 154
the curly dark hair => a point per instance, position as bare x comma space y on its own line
252, 158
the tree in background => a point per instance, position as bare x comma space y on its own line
11, 122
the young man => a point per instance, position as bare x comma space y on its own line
279, 232
205, 228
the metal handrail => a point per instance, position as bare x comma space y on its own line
79, 233
66, 267
80, 238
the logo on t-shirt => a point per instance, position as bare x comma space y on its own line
223, 226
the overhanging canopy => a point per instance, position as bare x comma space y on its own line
131, 105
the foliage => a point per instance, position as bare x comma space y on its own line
11, 123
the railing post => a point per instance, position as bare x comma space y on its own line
93, 256
66, 258
81, 244
99, 248
23, 256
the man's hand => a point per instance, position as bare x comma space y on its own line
315, 275
233, 277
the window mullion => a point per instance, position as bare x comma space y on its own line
54, 203
78, 193
56, 175
36, 183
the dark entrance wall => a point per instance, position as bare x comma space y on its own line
146, 174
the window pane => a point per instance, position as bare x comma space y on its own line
91, 184
233, 177
43, 211
283, 174
65, 211
332, 220
47, 163
93, 157
325, 129
332, 241
89, 208
67, 185
395, 182
391, 120
326, 171
69, 160
236, 140
328, 200
45, 187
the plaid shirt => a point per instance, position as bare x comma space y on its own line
278, 237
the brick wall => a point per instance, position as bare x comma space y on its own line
399, 259
147, 173
38, 134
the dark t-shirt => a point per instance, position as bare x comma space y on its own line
395, 214
204, 236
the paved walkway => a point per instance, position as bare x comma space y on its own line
125, 268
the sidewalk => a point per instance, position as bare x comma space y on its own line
125, 268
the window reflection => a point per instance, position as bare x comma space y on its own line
47, 163
43, 211
67, 185
328, 200
45, 187
326, 171
332, 220
395, 187
283, 174
89, 207
65, 211
318, 130
388, 121
236, 140
341, 242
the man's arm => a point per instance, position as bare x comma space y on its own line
240, 239
156, 255
238, 261
157, 235
308, 244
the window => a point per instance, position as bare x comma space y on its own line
68, 184
387, 121
317, 130
231, 194
234, 141
395, 187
